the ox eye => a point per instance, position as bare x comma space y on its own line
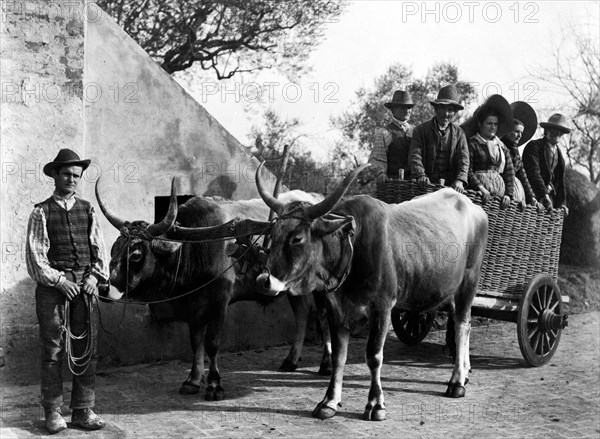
135, 256
297, 239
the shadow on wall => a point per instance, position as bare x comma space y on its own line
222, 186
581, 229
19, 334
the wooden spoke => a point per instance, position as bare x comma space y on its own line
537, 340
412, 327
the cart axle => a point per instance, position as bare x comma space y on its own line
551, 322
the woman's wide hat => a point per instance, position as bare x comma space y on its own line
401, 98
557, 121
448, 95
65, 157
501, 108
523, 112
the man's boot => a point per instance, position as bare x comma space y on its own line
86, 418
54, 420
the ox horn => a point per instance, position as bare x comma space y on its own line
275, 205
111, 217
231, 229
329, 203
169, 219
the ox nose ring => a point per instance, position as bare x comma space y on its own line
264, 279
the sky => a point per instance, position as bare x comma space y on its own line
498, 46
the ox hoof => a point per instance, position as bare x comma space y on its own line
322, 411
189, 388
325, 369
466, 382
376, 413
455, 391
214, 393
287, 366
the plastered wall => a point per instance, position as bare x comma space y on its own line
71, 78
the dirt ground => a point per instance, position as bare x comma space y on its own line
505, 398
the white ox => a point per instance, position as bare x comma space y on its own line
420, 255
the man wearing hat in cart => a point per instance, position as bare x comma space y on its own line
389, 156
545, 165
66, 257
438, 150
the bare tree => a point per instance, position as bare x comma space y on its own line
272, 134
576, 72
226, 36
269, 140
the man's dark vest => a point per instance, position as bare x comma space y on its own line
397, 152
68, 232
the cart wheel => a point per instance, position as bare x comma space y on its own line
412, 327
540, 320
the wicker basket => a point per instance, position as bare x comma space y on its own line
521, 242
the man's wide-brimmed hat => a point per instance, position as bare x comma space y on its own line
65, 157
500, 107
448, 95
401, 98
557, 121
523, 111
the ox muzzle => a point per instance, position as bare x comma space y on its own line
268, 284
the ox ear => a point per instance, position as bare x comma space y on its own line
165, 247
331, 223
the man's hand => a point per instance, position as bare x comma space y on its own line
90, 286
69, 289
566, 209
535, 203
547, 203
458, 186
505, 202
382, 178
423, 181
485, 194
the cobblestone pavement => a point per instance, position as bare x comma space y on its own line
504, 397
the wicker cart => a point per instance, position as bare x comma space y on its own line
518, 275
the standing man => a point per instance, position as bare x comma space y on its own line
545, 164
66, 257
392, 143
438, 150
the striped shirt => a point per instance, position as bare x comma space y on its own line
382, 140
38, 245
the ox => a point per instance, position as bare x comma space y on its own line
148, 267
369, 256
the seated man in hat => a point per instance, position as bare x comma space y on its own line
545, 165
66, 257
389, 156
438, 150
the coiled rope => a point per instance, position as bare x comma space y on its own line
81, 362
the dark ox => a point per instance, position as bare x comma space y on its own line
418, 255
149, 268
